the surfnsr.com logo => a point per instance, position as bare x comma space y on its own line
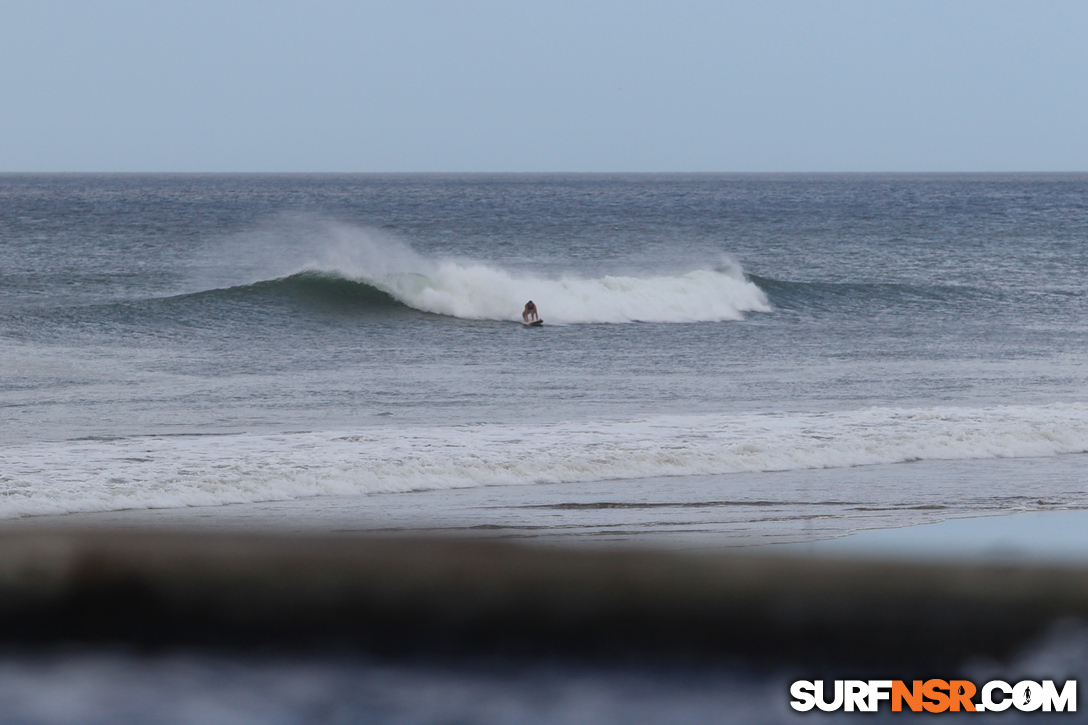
934, 696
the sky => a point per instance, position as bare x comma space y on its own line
545, 86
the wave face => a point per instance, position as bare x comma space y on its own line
164, 472
313, 288
365, 268
854, 296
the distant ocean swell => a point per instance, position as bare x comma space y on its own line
165, 472
852, 295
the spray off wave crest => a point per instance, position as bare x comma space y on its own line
171, 472
476, 290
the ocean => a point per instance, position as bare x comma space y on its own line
722, 355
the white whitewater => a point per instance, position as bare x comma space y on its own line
163, 472
480, 292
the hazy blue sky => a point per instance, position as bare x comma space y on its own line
552, 85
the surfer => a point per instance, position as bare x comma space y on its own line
529, 312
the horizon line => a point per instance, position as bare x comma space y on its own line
541, 173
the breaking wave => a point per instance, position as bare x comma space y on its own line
367, 269
170, 472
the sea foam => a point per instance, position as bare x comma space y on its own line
176, 471
481, 292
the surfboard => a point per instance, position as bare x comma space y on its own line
534, 323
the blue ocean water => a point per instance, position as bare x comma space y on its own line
171, 341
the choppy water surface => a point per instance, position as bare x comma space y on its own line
174, 341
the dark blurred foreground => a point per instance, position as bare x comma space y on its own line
158, 627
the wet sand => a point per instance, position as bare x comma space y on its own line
690, 513
1038, 537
